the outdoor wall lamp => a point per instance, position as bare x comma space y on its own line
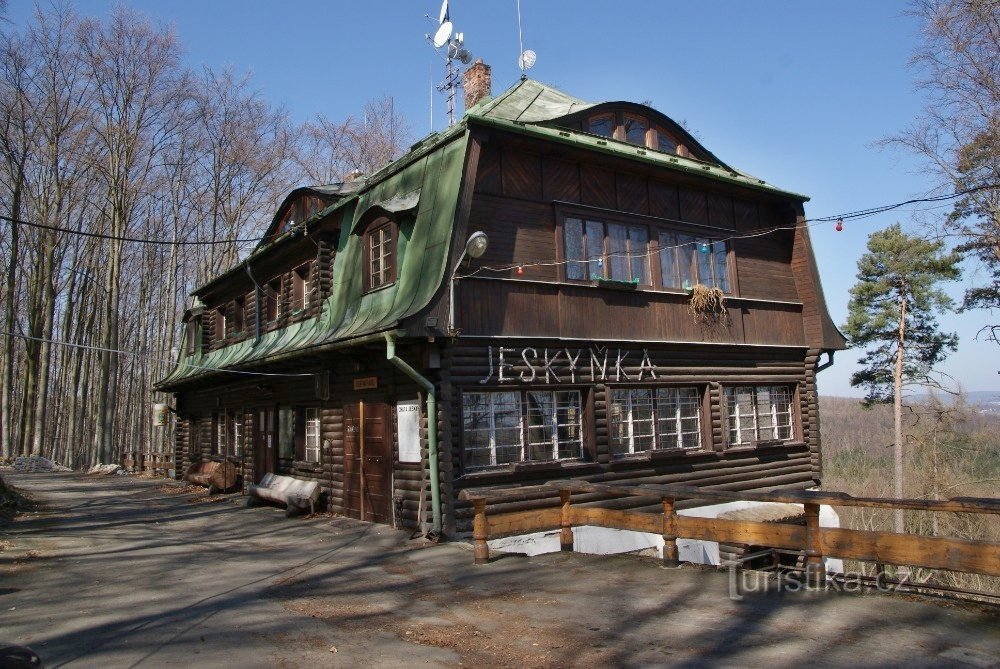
475, 247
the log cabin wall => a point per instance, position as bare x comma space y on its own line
474, 366
410, 486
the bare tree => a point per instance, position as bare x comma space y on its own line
958, 133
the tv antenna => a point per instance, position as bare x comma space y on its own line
453, 44
527, 57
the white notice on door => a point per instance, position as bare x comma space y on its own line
408, 424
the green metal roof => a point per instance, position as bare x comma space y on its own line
425, 186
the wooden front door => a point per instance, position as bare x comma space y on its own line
265, 444
367, 462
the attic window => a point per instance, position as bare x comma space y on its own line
379, 245
635, 130
271, 293
603, 125
300, 282
664, 141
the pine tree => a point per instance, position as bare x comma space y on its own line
892, 315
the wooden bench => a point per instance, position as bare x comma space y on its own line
214, 475
297, 495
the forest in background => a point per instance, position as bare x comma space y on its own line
951, 450
126, 180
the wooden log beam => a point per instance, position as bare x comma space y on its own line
977, 557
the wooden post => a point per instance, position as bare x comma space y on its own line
670, 554
566, 522
815, 574
481, 549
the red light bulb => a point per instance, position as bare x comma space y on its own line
519, 271
840, 224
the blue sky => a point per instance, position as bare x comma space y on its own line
797, 93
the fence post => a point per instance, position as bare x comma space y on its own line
670, 554
481, 549
815, 574
566, 523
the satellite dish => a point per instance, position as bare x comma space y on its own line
464, 56
526, 60
442, 35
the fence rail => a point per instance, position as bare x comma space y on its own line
813, 541
150, 461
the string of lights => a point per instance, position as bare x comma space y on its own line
138, 354
704, 245
840, 218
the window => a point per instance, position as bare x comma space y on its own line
501, 428
686, 260
758, 413
635, 130
219, 443
642, 419
286, 433
234, 428
381, 263
272, 299
220, 324
599, 250
601, 125
312, 435
235, 324
300, 283
193, 335
664, 141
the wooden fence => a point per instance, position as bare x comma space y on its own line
149, 462
813, 541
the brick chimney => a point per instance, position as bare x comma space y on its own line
477, 83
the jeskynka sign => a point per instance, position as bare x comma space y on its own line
561, 365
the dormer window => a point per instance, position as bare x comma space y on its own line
380, 254
193, 336
636, 129
664, 141
603, 125
220, 323
235, 324
271, 295
300, 283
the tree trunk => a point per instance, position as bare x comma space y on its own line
897, 411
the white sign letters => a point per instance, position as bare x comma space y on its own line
546, 365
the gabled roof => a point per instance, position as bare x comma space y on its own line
529, 101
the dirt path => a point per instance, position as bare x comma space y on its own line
122, 572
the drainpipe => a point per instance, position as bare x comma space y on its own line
432, 440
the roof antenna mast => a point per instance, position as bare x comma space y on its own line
454, 50
526, 58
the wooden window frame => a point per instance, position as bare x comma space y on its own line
605, 259
699, 238
390, 272
608, 115
192, 340
309, 448
587, 451
704, 421
794, 419
626, 117
300, 277
272, 301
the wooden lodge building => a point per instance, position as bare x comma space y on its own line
397, 365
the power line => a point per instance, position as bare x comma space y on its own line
141, 355
138, 240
